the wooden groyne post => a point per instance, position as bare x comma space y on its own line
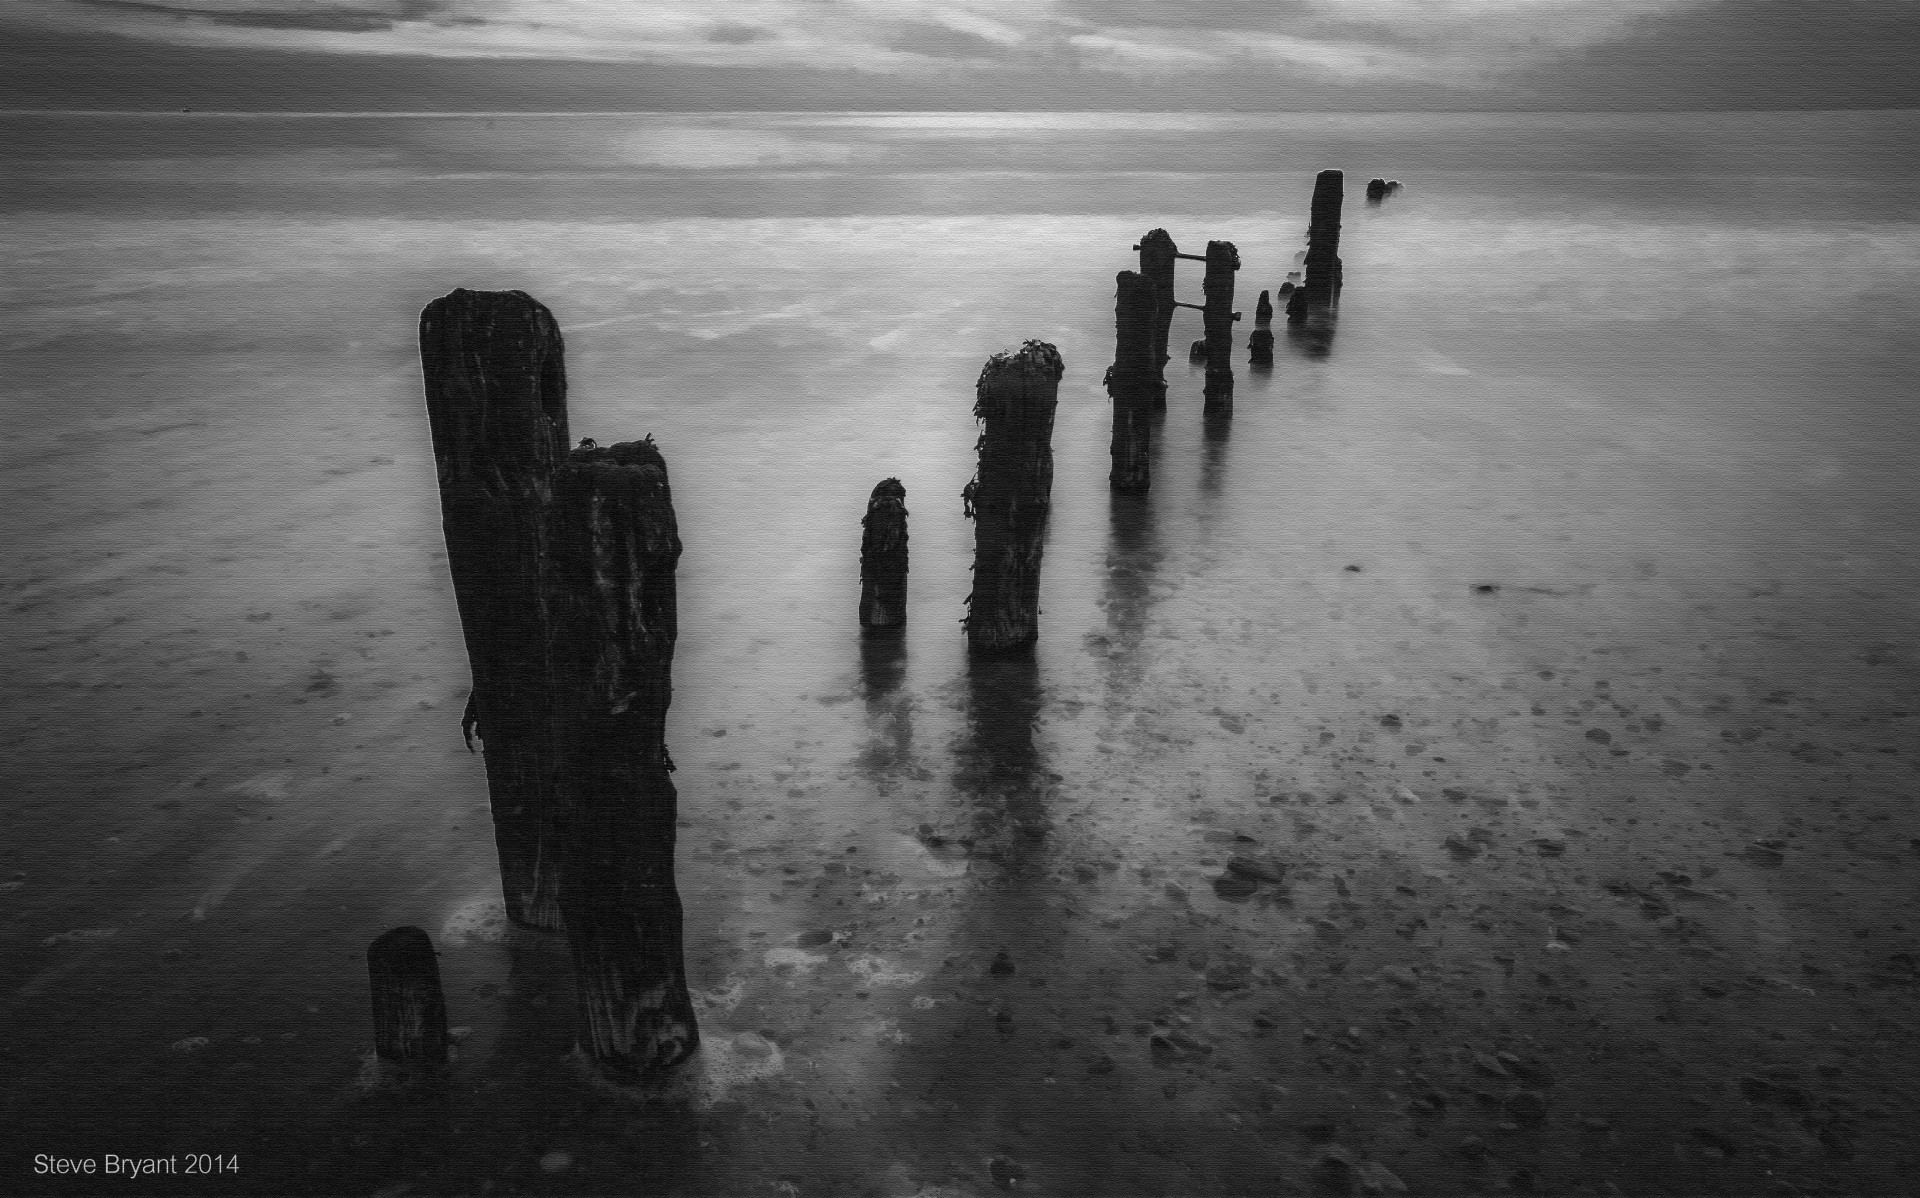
1009, 497
1133, 382
1260, 341
883, 557
1218, 317
1157, 255
1321, 288
409, 1007
496, 391
612, 610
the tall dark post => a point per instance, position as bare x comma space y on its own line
610, 599
409, 1008
1321, 289
883, 557
1133, 382
496, 389
1222, 261
1157, 253
1009, 497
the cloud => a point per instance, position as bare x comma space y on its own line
983, 53
362, 17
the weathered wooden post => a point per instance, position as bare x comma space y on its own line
883, 557
611, 607
1133, 382
496, 390
1009, 497
1157, 255
1321, 290
409, 1008
1218, 317
1260, 341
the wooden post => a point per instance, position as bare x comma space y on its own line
1222, 261
496, 390
409, 1008
883, 557
1260, 342
1009, 497
1133, 382
1322, 285
1157, 253
610, 599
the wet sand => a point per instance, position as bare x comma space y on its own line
1549, 658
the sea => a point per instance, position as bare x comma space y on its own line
1590, 528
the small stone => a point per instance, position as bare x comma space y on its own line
1374, 1178
1599, 736
556, 1162
1390, 722
1405, 795
814, 939
191, 1044
1259, 869
1528, 1107
1549, 846
1400, 976
1460, 848
1002, 965
1234, 886
1006, 1172
1487, 1064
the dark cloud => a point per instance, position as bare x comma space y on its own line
1744, 54
353, 18
731, 34
943, 41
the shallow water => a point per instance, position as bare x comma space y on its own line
1649, 379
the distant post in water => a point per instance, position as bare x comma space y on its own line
1133, 382
1157, 253
496, 390
883, 557
409, 1008
612, 608
1218, 316
1260, 342
1009, 497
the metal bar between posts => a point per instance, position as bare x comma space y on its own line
1199, 308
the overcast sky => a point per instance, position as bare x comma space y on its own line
1302, 55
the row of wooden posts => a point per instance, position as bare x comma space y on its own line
563, 566
1143, 315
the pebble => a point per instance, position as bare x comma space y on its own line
1399, 975
1002, 965
1375, 1178
191, 1044
1550, 846
1528, 1106
1487, 1064
1232, 885
556, 1162
1461, 848
1260, 870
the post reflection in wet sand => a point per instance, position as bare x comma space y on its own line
1133, 556
883, 668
